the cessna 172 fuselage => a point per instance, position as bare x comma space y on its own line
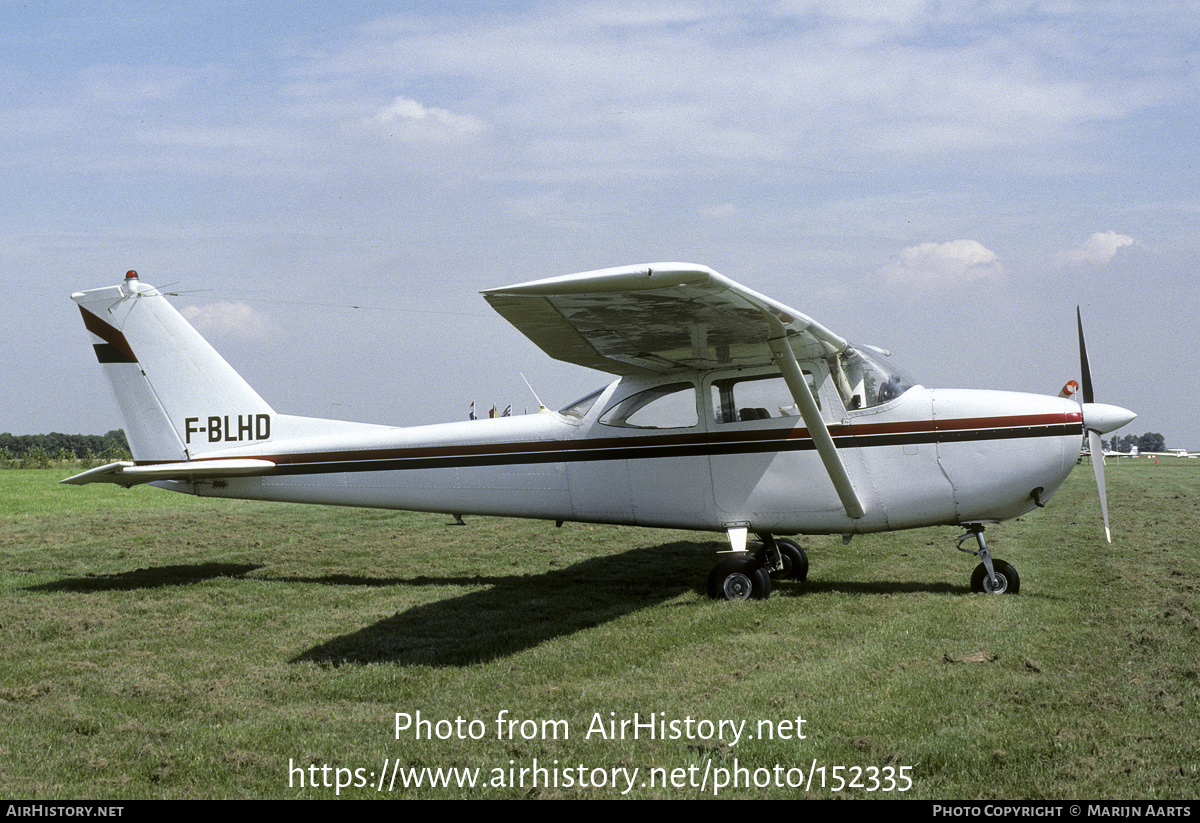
731, 413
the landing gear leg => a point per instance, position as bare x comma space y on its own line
769, 555
992, 576
782, 558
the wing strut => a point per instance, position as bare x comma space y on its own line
785, 358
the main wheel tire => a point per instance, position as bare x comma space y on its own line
1006, 576
795, 561
739, 578
799, 558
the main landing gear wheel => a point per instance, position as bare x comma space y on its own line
1007, 580
739, 578
795, 561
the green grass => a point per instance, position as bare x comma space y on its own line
157, 645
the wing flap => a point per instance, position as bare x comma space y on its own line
656, 318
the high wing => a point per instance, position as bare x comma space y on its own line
664, 317
657, 318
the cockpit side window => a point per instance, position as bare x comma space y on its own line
672, 406
755, 398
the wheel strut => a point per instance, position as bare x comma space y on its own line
976, 530
772, 560
782, 558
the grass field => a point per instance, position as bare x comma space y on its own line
154, 645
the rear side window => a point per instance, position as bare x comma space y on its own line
672, 406
579, 409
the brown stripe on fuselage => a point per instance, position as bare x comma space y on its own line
720, 442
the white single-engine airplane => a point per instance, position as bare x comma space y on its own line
731, 413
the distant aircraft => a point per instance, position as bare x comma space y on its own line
731, 412
1167, 453
1133, 452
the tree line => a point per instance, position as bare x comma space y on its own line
41, 451
1148, 442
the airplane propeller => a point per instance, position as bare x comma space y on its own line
1098, 419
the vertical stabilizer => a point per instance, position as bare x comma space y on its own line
179, 398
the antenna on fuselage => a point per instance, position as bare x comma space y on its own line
541, 405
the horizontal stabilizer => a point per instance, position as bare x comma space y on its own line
125, 473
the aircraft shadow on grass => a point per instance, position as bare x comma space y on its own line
515, 612
519, 612
151, 578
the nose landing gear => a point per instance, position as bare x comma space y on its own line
991, 576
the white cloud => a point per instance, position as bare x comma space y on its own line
1097, 250
939, 264
111, 84
679, 86
407, 119
723, 210
602, 91
230, 320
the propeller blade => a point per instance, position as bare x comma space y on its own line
1098, 418
1098, 467
1085, 370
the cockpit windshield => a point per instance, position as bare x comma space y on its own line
866, 377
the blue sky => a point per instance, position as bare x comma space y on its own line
328, 186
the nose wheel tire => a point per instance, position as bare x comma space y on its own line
1007, 580
739, 578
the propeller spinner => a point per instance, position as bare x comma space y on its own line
1098, 419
